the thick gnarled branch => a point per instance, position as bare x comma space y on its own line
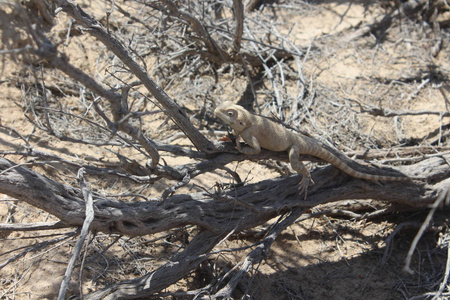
268, 197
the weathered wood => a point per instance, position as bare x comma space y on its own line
267, 197
32, 226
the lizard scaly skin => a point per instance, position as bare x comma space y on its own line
259, 132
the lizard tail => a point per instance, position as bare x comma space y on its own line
316, 149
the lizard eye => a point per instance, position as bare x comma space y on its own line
231, 113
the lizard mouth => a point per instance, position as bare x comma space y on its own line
222, 116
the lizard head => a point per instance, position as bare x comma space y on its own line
233, 115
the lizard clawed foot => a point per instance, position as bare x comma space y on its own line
304, 184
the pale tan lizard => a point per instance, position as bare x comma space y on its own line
259, 132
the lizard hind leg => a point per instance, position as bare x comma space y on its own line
299, 167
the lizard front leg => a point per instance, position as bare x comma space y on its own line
237, 137
299, 167
252, 146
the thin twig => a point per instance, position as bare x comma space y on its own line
32, 226
444, 197
84, 232
37, 247
446, 274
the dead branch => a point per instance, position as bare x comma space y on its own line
381, 24
37, 247
386, 112
211, 45
258, 254
447, 270
444, 198
421, 10
32, 226
202, 209
48, 52
171, 108
179, 266
239, 15
87, 195
399, 153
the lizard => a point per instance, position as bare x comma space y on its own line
260, 132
